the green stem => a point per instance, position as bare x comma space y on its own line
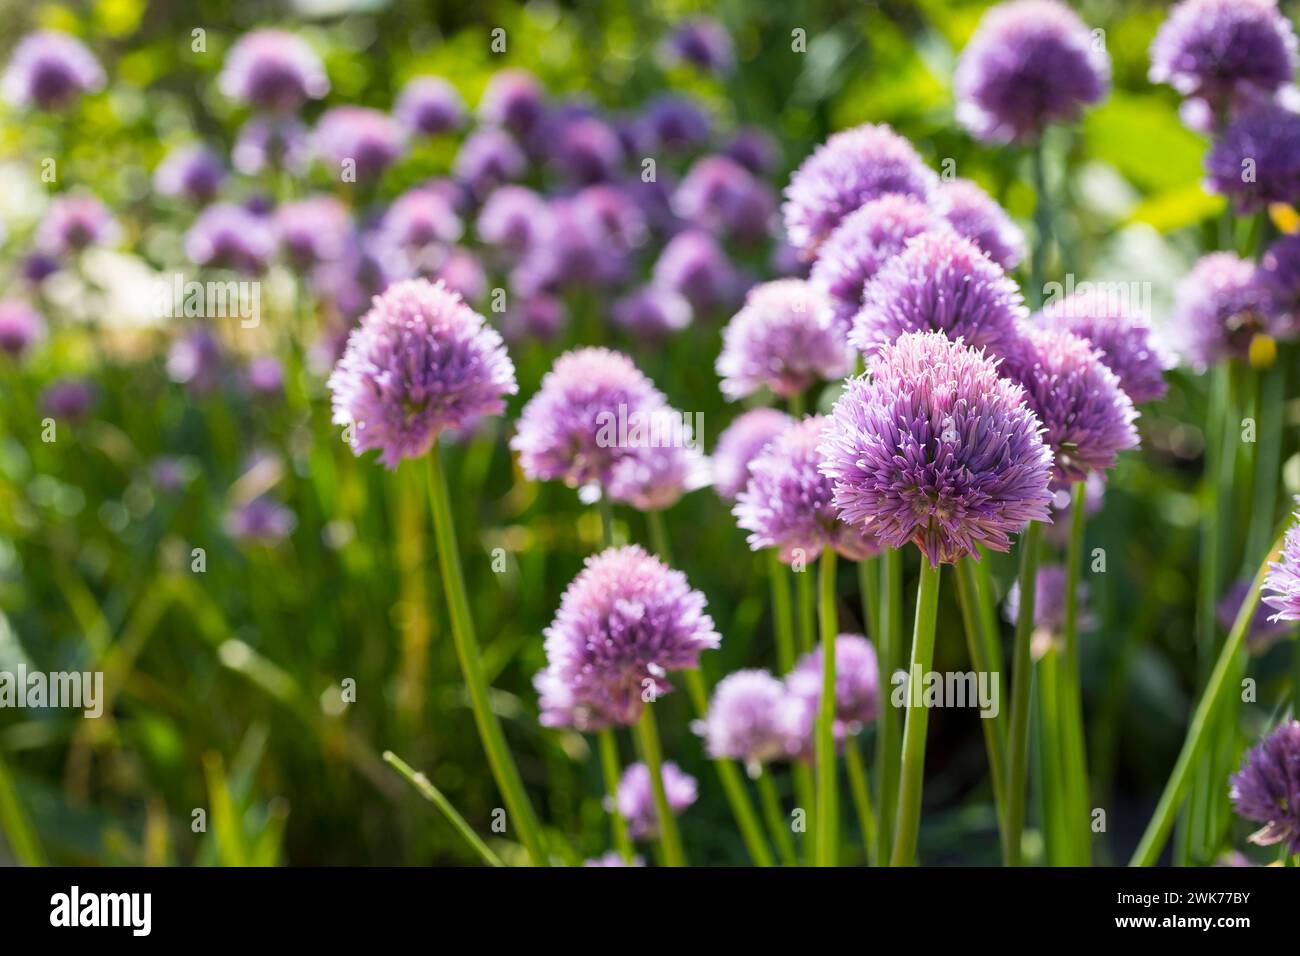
887, 740
828, 815
977, 644
1043, 229
733, 785
1268, 449
912, 769
610, 769
659, 536
795, 404
435, 796
606, 520
1216, 689
647, 734
1070, 694
803, 586
776, 819
1055, 797
861, 790
869, 585
471, 665
1021, 681
782, 613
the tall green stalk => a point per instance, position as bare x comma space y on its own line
1216, 690
1042, 228
803, 586
435, 796
776, 819
977, 644
647, 735
912, 768
610, 770
1021, 681
467, 652
782, 613
1070, 695
828, 815
860, 787
888, 743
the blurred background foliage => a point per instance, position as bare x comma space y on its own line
225, 684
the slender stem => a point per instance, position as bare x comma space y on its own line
803, 586
733, 785
1217, 465
1268, 448
967, 596
887, 740
15, 823
782, 613
659, 536
1051, 752
795, 404
647, 734
869, 585
1070, 693
776, 819
1021, 681
1043, 229
861, 790
1216, 689
828, 814
467, 651
606, 507
435, 796
610, 769
912, 769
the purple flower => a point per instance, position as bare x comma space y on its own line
1261, 633
589, 237
1219, 309
695, 266
849, 170
265, 376
1267, 788
1087, 417
1212, 49
660, 468
933, 446
313, 230
192, 172
50, 70
420, 362
1281, 589
636, 800
195, 361
73, 222
584, 150
781, 339
271, 142
973, 214
514, 218
225, 236
569, 429
260, 521
675, 124
359, 140
273, 70
1094, 495
651, 313
1049, 601
488, 158
418, 222
1257, 159
170, 474
1120, 332
68, 398
740, 443
703, 43
940, 282
864, 241
613, 859
370, 264
722, 196
857, 690
20, 327
788, 502
1031, 63
461, 272
538, 317
624, 622
1279, 275
755, 149
37, 266
429, 105
749, 719
513, 99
